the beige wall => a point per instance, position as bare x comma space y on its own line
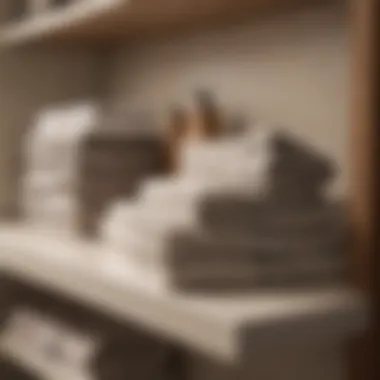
290, 69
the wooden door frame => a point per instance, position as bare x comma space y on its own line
364, 183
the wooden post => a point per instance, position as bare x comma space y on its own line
364, 175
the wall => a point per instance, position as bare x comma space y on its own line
290, 69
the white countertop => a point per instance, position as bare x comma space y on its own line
226, 327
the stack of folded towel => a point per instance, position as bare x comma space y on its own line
244, 212
51, 171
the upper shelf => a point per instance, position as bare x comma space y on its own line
109, 20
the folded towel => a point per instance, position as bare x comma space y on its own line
264, 156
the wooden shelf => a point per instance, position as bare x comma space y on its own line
225, 327
31, 361
109, 20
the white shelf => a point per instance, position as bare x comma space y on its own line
55, 23
28, 359
226, 327
107, 20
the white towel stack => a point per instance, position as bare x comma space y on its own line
244, 212
56, 347
50, 344
51, 157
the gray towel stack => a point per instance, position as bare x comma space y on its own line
243, 213
112, 163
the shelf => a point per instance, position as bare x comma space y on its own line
29, 360
50, 25
109, 20
225, 327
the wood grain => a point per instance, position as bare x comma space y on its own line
364, 177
